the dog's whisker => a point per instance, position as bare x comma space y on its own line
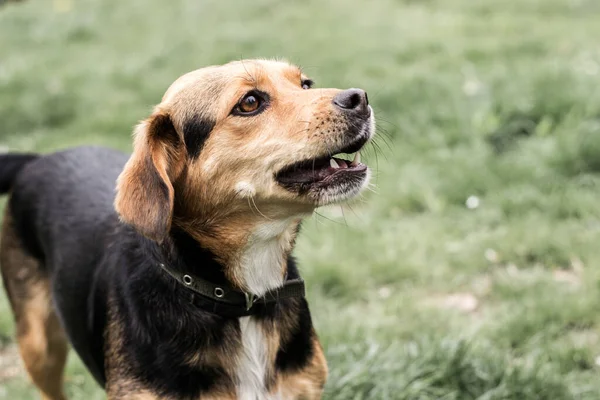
377, 148
250, 76
383, 133
256, 207
357, 214
383, 120
344, 216
301, 130
327, 218
375, 152
251, 206
372, 188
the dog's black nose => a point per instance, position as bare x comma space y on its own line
355, 100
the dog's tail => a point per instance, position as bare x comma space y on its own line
10, 165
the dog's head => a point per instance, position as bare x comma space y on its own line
249, 136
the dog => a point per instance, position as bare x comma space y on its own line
180, 284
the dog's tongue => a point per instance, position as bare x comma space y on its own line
336, 163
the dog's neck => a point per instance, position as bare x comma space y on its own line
252, 251
261, 264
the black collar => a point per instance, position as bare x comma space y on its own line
226, 301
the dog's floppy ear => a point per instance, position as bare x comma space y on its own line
145, 187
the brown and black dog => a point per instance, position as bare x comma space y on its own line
221, 175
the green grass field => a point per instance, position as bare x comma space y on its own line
415, 295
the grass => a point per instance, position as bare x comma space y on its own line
414, 295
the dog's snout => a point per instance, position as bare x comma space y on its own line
354, 100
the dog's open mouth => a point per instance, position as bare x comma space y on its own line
326, 171
321, 170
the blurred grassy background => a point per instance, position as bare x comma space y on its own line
472, 273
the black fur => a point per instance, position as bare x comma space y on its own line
10, 165
195, 133
63, 206
156, 359
295, 353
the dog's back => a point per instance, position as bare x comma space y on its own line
10, 166
57, 224
69, 191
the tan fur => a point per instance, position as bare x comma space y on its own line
147, 395
158, 158
306, 384
120, 385
41, 339
138, 396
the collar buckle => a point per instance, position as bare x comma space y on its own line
250, 300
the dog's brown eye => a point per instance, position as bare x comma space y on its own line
249, 103
254, 102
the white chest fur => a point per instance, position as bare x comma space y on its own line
252, 362
261, 269
262, 260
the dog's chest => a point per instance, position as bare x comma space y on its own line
253, 362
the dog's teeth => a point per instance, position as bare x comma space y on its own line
356, 160
333, 163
